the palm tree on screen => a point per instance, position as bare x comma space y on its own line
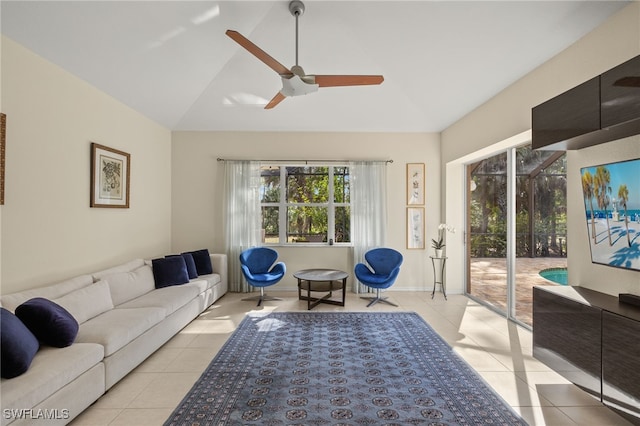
623, 196
587, 190
602, 191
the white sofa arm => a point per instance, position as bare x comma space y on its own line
219, 264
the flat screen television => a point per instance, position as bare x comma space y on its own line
612, 211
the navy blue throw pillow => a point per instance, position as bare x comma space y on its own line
203, 261
191, 265
52, 324
18, 345
169, 271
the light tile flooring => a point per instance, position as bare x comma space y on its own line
499, 350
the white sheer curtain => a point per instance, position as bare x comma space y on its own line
368, 209
242, 183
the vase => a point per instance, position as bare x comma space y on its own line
438, 252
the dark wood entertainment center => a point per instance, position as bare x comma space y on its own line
589, 337
593, 340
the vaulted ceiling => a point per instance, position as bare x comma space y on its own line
171, 60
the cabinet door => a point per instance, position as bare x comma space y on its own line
621, 362
574, 113
567, 338
620, 93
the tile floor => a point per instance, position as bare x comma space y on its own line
499, 350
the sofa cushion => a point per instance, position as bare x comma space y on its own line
18, 345
52, 324
125, 267
169, 298
203, 261
200, 283
169, 271
12, 301
210, 280
87, 302
125, 286
51, 369
118, 327
192, 271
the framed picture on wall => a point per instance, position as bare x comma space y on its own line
110, 172
415, 184
415, 227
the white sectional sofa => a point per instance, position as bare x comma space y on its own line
123, 318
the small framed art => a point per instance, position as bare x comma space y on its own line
415, 227
110, 172
415, 184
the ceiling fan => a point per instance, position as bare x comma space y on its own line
294, 81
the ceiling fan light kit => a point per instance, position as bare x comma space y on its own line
294, 81
295, 86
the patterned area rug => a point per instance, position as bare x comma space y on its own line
306, 368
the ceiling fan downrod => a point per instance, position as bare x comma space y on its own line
296, 7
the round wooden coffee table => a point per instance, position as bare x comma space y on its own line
321, 280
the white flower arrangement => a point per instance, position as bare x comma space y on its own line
439, 243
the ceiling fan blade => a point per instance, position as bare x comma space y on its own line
347, 80
258, 53
628, 82
279, 97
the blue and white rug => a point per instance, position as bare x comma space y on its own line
318, 368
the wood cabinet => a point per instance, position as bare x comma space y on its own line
593, 340
603, 109
566, 337
560, 120
620, 361
620, 94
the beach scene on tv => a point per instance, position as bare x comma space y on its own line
612, 206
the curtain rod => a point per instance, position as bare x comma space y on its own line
303, 161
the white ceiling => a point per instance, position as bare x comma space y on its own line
171, 61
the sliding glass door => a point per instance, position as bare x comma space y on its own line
487, 231
516, 228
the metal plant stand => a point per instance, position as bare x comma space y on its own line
442, 282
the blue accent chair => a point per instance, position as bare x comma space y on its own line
260, 269
384, 267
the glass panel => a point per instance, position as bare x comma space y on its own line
487, 231
343, 225
270, 225
270, 193
541, 206
307, 185
270, 184
341, 188
306, 224
540, 226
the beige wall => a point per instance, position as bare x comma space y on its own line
507, 118
49, 232
198, 211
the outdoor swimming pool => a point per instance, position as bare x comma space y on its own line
557, 275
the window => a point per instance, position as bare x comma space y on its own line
305, 204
